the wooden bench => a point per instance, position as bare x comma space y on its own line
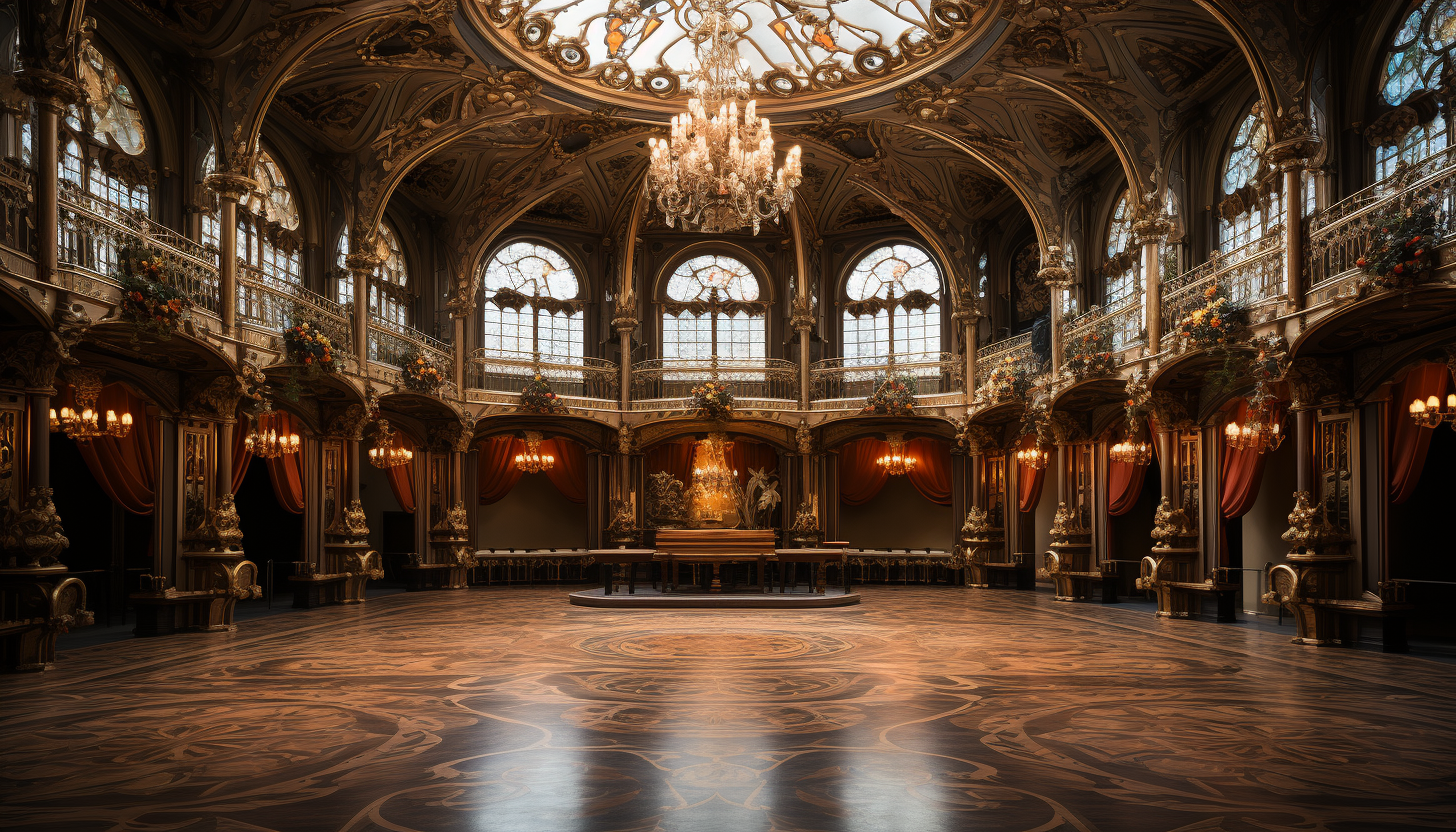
1392, 618
226, 581
422, 577
1224, 593
317, 590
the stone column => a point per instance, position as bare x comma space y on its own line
803, 323
230, 188
1150, 228
225, 457
624, 323
969, 318
1056, 277
461, 352
1292, 170
1304, 449
38, 462
361, 267
51, 92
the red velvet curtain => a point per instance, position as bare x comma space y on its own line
569, 473
1240, 472
1125, 484
241, 454
1408, 442
931, 475
746, 454
1028, 480
860, 479
497, 471
402, 477
675, 458
124, 468
286, 472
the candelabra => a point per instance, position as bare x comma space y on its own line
715, 173
1035, 457
898, 462
1430, 413
385, 454
265, 441
85, 422
1260, 433
1131, 450
533, 461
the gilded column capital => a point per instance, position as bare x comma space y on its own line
229, 185
802, 319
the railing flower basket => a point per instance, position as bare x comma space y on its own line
306, 344
148, 298
893, 396
1008, 380
712, 400
419, 373
1091, 353
1218, 323
537, 397
1403, 244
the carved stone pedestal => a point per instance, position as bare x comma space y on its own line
1069, 563
346, 568
984, 549
450, 545
1162, 570
37, 604
228, 577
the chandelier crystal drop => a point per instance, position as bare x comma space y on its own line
385, 454
713, 493
898, 462
533, 461
1430, 413
1035, 457
715, 173
264, 440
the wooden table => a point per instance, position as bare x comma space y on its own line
714, 547
630, 557
791, 558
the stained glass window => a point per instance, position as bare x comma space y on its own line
1122, 280
113, 113
906, 321
1414, 64
516, 279
729, 333
1245, 167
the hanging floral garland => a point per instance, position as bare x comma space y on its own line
148, 299
537, 397
1090, 354
1008, 380
712, 400
306, 344
1217, 323
1403, 244
893, 396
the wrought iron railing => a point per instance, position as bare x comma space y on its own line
764, 383
1340, 235
92, 232
1123, 319
1015, 351
502, 371
1253, 274
838, 379
16, 197
271, 304
389, 343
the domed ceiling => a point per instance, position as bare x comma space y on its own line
799, 53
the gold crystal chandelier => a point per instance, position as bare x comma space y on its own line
713, 495
898, 462
85, 422
1035, 457
385, 454
533, 461
1430, 414
265, 441
716, 172
1260, 433
1132, 450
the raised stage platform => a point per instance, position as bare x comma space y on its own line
652, 599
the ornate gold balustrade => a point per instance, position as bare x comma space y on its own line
1016, 348
267, 306
1123, 319
499, 376
758, 384
845, 383
1253, 274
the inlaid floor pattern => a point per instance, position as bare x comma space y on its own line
920, 709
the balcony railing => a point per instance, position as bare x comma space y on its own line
1124, 318
1340, 235
855, 379
1016, 348
92, 232
16, 197
589, 380
389, 343
273, 304
762, 383
1253, 273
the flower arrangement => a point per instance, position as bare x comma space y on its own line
306, 344
712, 399
419, 372
1401, 247
147, 299
536, 397
1215, 323
1008, 380
1090, 354
893, 396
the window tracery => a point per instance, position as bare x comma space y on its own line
1420, 49
267, 219
1253, 204
535, 306
713, 311
1122, 273
389, 294
892, 306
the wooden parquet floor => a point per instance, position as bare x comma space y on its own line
922, 709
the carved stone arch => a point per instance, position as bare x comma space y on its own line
835, 433
778, 435
585, 280
1362, 95
771, 294
852, 257
590, 433
1277, 100
933, 241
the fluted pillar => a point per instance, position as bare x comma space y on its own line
361, 268
1056, 277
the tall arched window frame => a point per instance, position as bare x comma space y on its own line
892, 307
712, 311
1413, 65
534, 304
1122, 272
390, 298
108, 125
1252, 203
268, 242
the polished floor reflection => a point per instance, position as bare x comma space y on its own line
920, 709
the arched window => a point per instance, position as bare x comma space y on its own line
112, 114
1248, 209
268, 243
712, 311
1123, 270
1419, 50
534, 304
893, 306
390, 298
